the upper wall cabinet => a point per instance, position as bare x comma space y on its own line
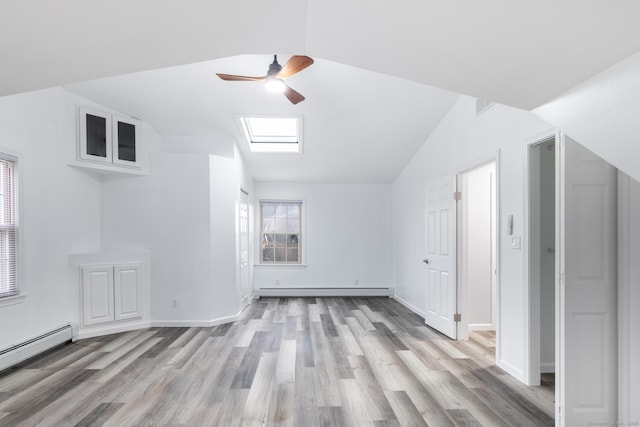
108, 139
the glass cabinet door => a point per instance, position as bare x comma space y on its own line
95, 136
124, 142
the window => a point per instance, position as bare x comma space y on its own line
280, 226
273, 134
8, 228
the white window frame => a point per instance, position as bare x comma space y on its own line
272, 143
19, 296
302, 239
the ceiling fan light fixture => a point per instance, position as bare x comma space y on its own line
274, 84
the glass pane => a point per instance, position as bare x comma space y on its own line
268, 211
292, 255
292, 240
281, 225
280, 255
280, 240
292, 211
292, 225
96, 136
268, 225
267, 240
126, 142
281, 211
267, 254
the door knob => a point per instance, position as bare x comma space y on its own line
426, 261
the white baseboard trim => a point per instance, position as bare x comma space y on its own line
110, 329
511, 370
481, 327
411, 307
194, 323
548, 368
324, 292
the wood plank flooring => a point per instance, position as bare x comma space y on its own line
287, 362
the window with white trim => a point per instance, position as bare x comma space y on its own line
8, 228
280, 231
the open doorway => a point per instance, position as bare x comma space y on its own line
542, 256
583, 330
478, 252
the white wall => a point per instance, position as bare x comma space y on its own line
460, 141
184, 214
224, 190
347, 236
60, 210
602, 114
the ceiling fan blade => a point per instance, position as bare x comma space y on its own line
294, 65
293, 95
234, 78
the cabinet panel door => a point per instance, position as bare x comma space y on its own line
125, 143
97, 295
126, 282
94, 136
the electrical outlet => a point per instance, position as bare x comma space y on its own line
277, 282
174, 303
357, 283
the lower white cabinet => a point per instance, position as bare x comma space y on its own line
110, 293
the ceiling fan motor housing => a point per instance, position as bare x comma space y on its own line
274, 68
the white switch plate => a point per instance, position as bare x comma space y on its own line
516, 242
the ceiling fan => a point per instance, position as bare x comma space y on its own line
274, 80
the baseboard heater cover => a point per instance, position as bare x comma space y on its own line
30, 348
324, 292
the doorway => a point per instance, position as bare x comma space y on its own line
585, 264
542, 255
244, 288
477, 253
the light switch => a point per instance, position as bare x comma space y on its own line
516, 242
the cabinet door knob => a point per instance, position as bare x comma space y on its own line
426, 261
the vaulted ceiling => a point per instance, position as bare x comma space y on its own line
385, 72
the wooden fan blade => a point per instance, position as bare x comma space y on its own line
294, 65
293, 95
234, 78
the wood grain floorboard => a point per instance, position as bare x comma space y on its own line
286, 362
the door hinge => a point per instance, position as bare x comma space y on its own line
457, 317
457, 195
562, 277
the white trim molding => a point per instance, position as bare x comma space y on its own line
324, 292
624, 298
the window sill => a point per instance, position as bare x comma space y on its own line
12, 300
280, 265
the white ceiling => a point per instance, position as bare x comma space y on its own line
518, 53
358, 126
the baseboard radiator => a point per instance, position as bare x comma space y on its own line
30, 348
324, 292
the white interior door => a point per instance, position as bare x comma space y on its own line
440, 211
587, 299
243, 248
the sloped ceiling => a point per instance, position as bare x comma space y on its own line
385, 72
358, 126
518, 53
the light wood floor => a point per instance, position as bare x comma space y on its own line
287, 362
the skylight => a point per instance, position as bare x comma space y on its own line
273, 134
